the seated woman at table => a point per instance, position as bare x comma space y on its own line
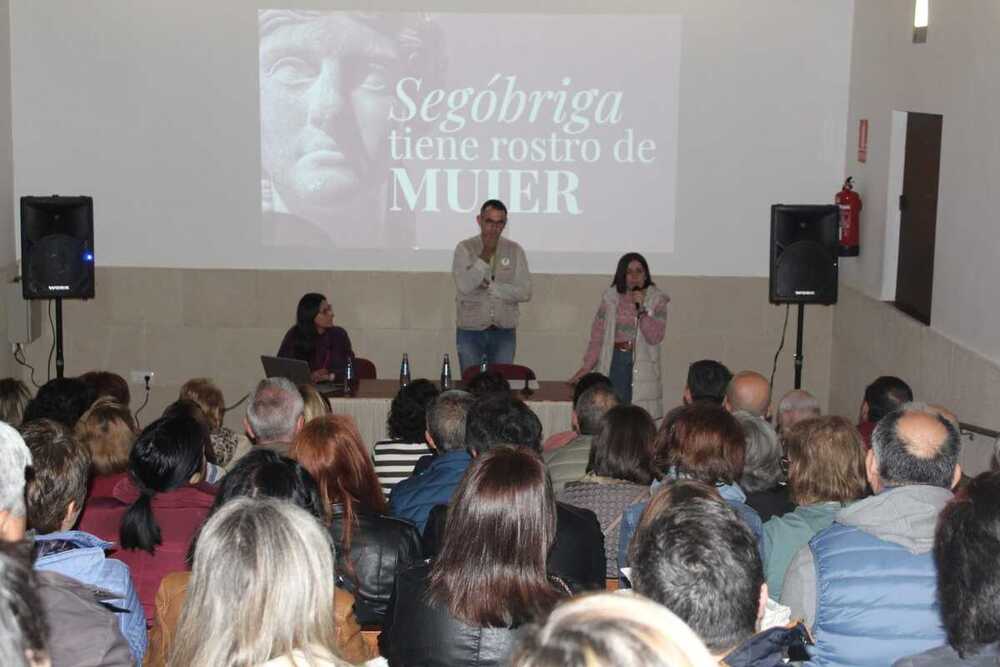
626, 335
314, 339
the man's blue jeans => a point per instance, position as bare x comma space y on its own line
497, 344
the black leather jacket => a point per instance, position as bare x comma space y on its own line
577, 556
381, 547
422, 634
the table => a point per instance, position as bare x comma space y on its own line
552, 402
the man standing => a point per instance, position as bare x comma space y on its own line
492, 278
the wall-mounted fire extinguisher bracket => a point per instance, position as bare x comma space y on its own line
849, 202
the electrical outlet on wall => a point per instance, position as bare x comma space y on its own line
142, 378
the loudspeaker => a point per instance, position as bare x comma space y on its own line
57, 247
804, 257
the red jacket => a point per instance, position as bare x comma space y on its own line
179, 513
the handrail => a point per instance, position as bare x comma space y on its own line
978, 430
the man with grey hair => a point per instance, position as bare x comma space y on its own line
446, 417
795, 406
569, 462
274, 416
866, 585
71, 608
433, 481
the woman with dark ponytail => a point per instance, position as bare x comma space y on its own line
153, 514
314, 339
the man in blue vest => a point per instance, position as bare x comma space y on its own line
866, 585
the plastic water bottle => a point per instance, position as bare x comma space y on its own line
445, 373
404, 370
349, 377
483, 364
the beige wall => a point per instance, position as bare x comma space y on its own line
6, 181
185, 323
873, 338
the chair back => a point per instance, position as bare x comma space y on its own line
506, 371
364, 369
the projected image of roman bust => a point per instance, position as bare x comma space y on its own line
327, 84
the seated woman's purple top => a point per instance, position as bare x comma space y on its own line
331, 351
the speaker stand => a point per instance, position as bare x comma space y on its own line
798, 346
60, 362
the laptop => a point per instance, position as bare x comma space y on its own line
297, 371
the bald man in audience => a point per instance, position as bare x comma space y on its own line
866, 585
749, 391
795, 406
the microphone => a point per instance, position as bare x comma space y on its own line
637, 305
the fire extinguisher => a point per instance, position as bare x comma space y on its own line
849, 202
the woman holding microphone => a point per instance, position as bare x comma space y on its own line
626, 334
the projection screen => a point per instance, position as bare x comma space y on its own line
387, 131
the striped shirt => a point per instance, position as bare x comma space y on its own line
394, 461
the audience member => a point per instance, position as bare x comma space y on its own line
569, 463
105, 384
490, 577
609, 629
207, 395
886, 394
14, 397
577, 557
795, 406
107, 430
314, 404
874, 562
966, 543
259, 474
826, 472
704, 443
487, 382
699, 560
15, 462
372, 548
24, 632
275, 414
749, 391
153, 513
413, 498
707, 380
407, 425
70, 607
619, 473
189, 409
562, 438
763, 480
261, 590
62, 400
54, 497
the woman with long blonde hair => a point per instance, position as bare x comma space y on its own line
261, 590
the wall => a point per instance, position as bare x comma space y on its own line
873, 338
953, 362
186, 323
7, 244
158, 120
956, 74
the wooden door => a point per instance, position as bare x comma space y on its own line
918, 215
